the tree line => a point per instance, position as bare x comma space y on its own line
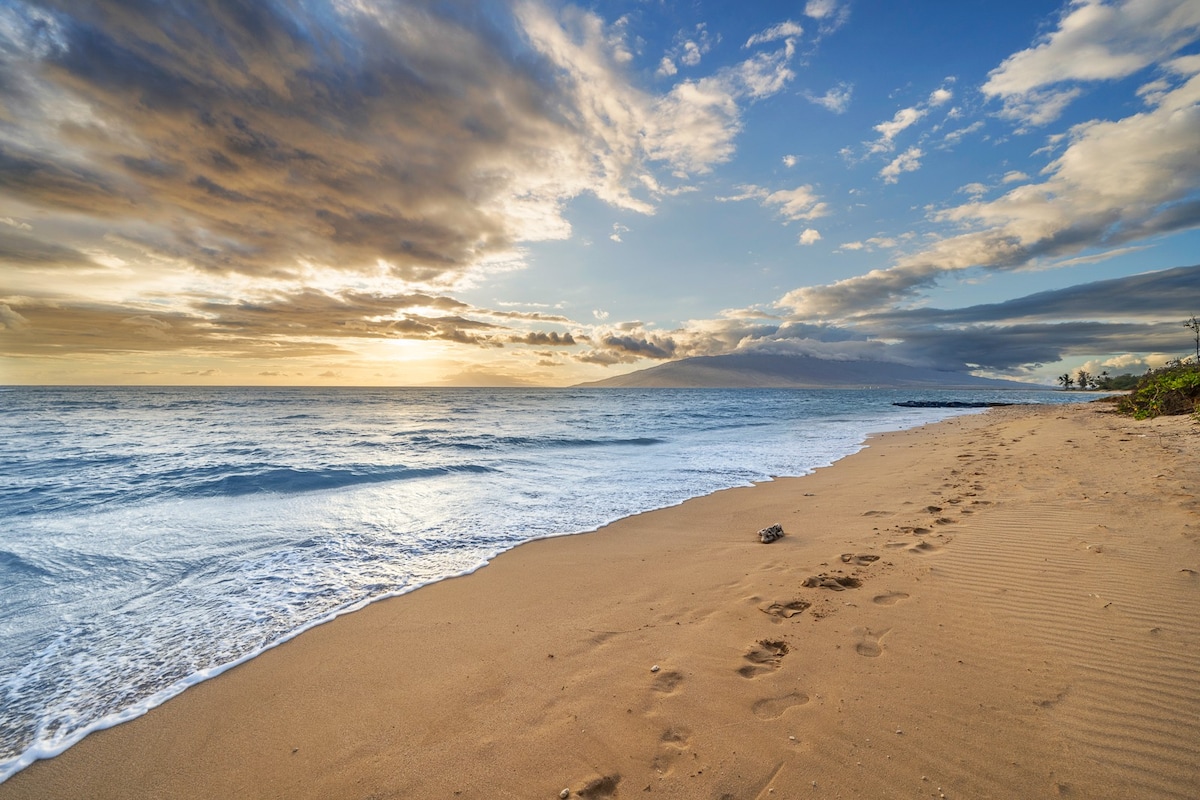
1085, 380
1104, 382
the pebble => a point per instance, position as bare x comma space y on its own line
564, 794
654, 668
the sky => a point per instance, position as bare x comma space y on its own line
367, 192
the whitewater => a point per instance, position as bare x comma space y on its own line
151, 538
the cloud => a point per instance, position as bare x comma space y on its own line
809, 236
271, 325
820, 9
789, 161
904, 119
543, 339
1114, 183
1015, 337
801, 203
888, 131
908, 161
618, 229
940, 97
370, 138
1094, 41
955, 136
836, 99
1014, 176
831, 14
784, 30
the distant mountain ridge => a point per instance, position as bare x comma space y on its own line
752, 370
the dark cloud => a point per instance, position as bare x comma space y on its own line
1121, 315
646, 347
1007, 347
260, 134
20, 249
306, 322
1166, 292
553, 338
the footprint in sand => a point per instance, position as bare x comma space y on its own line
837, 583
869, 643
877, 513
764, 656
782, 611
923, 548
667, 681
889, 598
673, 743
862, 559
774, 707
604, 786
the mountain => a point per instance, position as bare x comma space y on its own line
748, 370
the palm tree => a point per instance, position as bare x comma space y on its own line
1066, 380
1084, 379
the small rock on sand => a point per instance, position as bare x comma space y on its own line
768, 535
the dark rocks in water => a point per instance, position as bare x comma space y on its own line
768, 535
949, 404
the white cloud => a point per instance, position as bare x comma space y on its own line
905, 118
618, 229
1094, 41
789, 161
691, 128
809, 236
1013, 176
940, 97
836, 99
974, 189
600, 314
955, 136
820, 9
784, 30
801, 203
25, 226
666, 67
797, 204
908, 161
1115, 183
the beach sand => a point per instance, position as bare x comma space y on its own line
1030, 629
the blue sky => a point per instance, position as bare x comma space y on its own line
545, 193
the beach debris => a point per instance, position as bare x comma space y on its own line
655, 668
768, 535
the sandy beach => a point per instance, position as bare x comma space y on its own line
1004, 605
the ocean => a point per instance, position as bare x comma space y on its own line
151, 538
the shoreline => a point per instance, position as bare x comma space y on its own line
168, 692
534, 675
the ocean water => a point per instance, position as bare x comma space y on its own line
153, 537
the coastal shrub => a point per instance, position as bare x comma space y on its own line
1174, 389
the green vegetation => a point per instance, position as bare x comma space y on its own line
1174, 389
1103, 382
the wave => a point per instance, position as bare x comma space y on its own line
215, 481
543, 442
290, 480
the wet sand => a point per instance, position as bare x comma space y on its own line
1003, 605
